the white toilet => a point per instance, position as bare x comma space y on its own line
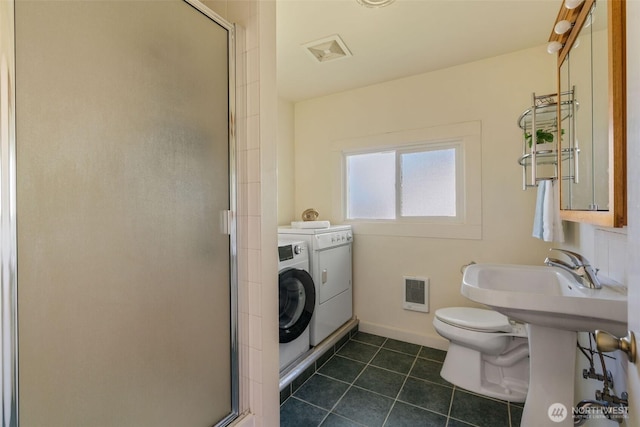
488, 354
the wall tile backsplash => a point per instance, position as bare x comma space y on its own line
611, 253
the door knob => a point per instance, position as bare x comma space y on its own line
607, 342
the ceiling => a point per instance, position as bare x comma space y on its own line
407, 37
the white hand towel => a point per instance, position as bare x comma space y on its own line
537, 219
547, 224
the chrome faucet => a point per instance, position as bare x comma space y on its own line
580, 267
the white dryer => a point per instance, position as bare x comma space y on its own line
297, 297
330, 265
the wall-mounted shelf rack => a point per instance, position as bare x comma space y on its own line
547, 157
540, 137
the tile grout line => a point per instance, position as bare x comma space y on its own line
402, 352
396, 372
378, 348
352, 384
316, 369
401, 401
509, 414
453, 392
407, 376
417, 356
449, 417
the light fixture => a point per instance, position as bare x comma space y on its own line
562, 27
572, 4
375, 3
554, 47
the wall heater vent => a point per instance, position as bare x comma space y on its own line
416, 294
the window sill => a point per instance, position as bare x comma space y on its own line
413, 229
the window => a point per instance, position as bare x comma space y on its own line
421, 182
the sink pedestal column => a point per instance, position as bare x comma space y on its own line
552, 354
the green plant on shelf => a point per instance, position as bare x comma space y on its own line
542, 136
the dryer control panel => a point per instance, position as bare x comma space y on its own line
329, 240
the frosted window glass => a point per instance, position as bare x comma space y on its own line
428, 183
371, 186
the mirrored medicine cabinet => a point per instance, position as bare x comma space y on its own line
591, 77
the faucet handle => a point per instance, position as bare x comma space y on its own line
575, 257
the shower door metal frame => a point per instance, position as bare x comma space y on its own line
231, 217
8, 240
8, 230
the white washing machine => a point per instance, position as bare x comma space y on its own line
297, 297
330, 266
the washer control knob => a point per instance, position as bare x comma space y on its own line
297, 249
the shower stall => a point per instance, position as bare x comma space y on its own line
118, 201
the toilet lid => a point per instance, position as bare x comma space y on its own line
474, 318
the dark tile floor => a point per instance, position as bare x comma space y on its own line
376, 381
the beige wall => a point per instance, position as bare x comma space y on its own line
494, 91
286, 179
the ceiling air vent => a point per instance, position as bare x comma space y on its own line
328, 49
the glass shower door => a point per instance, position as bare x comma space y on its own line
124, 274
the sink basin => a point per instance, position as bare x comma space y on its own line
547, 296
555, 307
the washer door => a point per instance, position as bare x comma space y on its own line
297, 295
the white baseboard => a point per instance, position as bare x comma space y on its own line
399, 334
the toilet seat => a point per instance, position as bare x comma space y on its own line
475, 319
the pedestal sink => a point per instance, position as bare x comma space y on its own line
555, 307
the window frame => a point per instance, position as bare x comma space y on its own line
468, 221
459, 184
